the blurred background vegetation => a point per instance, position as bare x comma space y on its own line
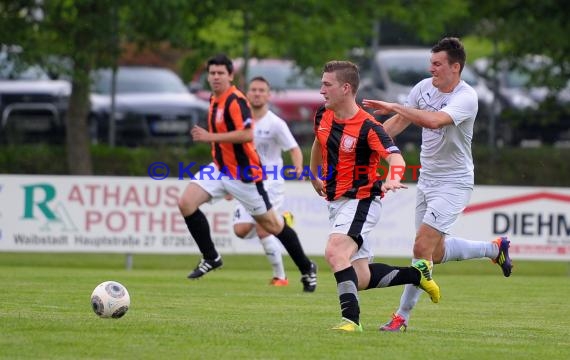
181, 34
543, 166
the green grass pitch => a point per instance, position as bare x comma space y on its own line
233, 313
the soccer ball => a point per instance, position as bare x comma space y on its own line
110, 299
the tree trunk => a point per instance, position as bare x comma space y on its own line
78, 142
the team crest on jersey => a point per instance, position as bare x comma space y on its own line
219, 115
347, 143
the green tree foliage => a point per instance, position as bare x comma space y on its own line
523, 27
315, 31
87, 34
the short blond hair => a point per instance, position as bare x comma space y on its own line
346, 72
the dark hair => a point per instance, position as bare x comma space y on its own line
260, 78
221, 59
346, 72
454, 50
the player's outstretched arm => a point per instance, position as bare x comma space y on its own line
235, 137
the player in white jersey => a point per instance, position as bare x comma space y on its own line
271, 137
445, 107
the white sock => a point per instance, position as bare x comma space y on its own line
458, 249
272, 248
409, 298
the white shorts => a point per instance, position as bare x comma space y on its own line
355, 217
252, 196
440, 204
275, 191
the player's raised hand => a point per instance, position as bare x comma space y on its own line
392, 185
380, 107
200, 134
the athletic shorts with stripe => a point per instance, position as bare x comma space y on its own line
355, 217
276, 192
252, 196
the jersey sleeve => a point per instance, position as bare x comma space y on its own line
240, 113
380, 141
284, 137
318, 118
462, 106
413, 97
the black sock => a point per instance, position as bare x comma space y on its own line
397, 275
290, 241
346, 281
200, 230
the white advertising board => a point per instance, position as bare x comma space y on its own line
536, 220
140, 215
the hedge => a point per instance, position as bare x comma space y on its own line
542, 166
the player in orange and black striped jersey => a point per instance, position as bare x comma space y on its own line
237, 171
347, 148
230, 112
353, 151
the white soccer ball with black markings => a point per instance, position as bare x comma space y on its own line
110, 299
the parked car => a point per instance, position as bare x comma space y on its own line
533, 110
152, 105
295, 93
32, 105
394, 72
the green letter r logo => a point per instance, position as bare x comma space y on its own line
30, 202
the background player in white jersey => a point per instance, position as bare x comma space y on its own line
271, 137
445, 107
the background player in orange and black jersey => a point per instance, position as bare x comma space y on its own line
229, 112
349, 144
230, 133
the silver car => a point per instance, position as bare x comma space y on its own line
152, 106
526, 104
32, 105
